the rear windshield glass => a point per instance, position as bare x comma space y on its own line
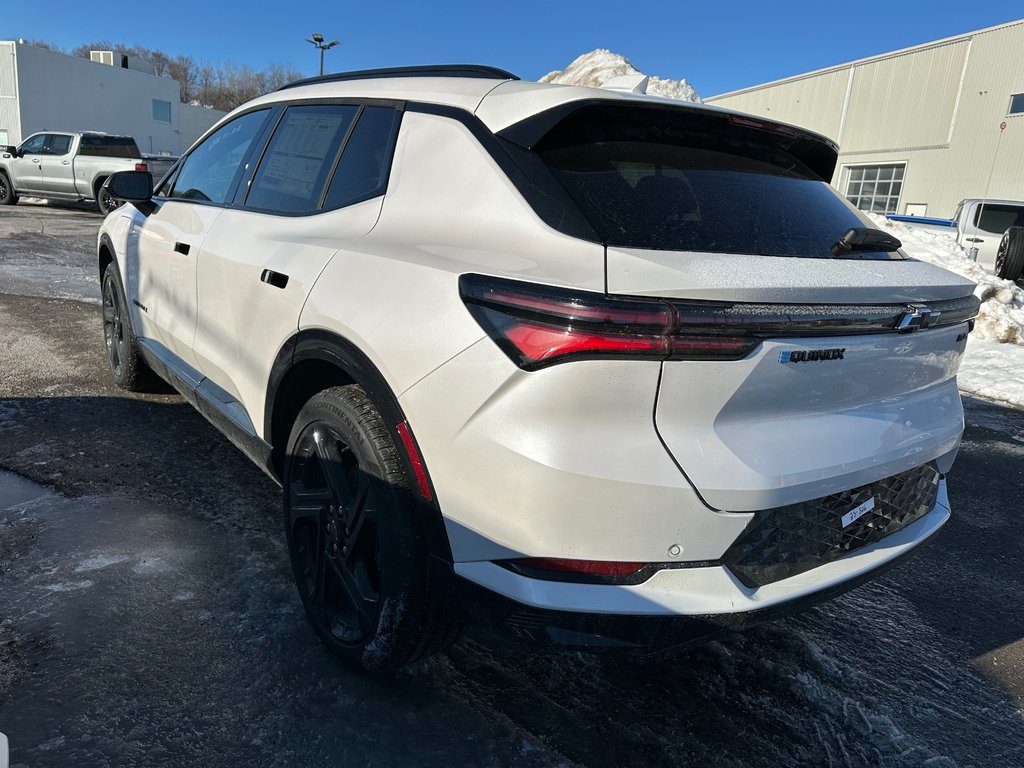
689, 182
108, 146
997, 218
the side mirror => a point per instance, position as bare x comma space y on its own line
132, 186
12, 150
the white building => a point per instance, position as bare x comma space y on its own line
41, 90
918, 129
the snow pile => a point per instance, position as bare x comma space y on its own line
596, 68
990, 369
1001, 317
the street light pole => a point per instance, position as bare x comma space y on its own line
318, 41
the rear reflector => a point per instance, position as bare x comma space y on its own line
415, 460
582, 567
141, 167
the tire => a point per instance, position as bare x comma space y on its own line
122, 348
357, 547
1010, 256
7, 194
104, 201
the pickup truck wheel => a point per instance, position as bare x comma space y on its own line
359, 557
123, 354
7, 196
1010, 256
105, 202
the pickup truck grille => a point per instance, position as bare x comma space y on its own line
786, 541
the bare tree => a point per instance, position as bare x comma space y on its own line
43, 44
186, 72
219, 86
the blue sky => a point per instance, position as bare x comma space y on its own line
717, 46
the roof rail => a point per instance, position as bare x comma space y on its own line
429, 70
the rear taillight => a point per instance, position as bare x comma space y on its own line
141, 167
539, 325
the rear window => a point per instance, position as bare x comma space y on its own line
685, 181
108, 146
996, 219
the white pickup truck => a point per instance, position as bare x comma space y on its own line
66, 166
991, 231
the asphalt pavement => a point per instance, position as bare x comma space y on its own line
148, 618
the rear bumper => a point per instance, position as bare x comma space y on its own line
675, 608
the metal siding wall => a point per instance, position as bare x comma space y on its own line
59, 92
10, 117
812, 102
194, 123
900, 104
905, 101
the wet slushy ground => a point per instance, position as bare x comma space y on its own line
148, 618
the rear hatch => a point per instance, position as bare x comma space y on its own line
807, 365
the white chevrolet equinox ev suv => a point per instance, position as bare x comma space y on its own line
583, 367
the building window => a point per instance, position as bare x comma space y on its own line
161, 111
875, 188
1017, 104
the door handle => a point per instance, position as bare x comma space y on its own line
276, 279
35, 160
974, 240
182, 248
65, 162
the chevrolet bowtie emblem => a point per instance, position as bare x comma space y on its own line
916, 318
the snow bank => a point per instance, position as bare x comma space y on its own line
1001, 317
990, 369
596, 68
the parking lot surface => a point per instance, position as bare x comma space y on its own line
148, 617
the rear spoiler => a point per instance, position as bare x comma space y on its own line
818, 153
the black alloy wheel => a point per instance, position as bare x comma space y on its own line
113, 325
356, 537
7, 196
1010, 254
334, 524
123, 353
105, 201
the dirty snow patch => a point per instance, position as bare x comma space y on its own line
69, 586
596, 68
1001, 317
99, 561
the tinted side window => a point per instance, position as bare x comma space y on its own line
34, 146
366, 160
210, 170
58, 145
108, 146
996, 219
299, 158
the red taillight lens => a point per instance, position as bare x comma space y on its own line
541, 342
539, 325
141, 167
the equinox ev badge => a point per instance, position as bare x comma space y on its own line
810, 355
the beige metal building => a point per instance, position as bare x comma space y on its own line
42, 90
918, 129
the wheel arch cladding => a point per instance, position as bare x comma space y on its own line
315, 360
105, 253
